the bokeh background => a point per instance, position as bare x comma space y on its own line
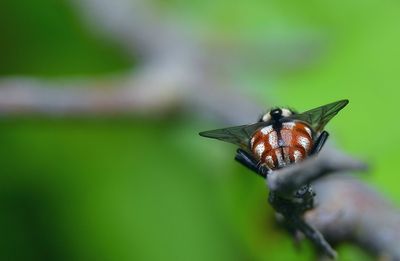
145, 186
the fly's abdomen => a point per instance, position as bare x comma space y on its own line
278, 148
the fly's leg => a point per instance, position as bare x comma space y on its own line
248, 161
320, 142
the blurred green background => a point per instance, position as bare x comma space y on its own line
132, 188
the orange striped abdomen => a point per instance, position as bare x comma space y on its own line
276, 149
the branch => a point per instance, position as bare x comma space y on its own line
142, 95
350, 211
287, 180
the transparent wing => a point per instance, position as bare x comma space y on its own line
319, 117
239, 135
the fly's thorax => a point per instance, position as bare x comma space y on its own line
277, 148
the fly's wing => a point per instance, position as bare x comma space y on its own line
239, 135
319, 117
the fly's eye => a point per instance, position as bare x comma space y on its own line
286, 112
266, 117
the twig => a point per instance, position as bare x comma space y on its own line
329, 161
315, 236
350, 211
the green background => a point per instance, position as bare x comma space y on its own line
131, 188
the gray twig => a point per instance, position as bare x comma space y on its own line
328, 161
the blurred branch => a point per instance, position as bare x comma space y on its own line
146, 93
143, 94
175, 70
